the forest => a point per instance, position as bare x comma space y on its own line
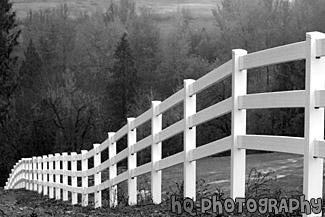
66, 81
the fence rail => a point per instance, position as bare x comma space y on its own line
43, 174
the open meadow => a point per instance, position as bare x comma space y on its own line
214, 172
200, 9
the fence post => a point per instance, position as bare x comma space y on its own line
132, 162
24, 175
84, 168
39, 174
156, 126
51, 190
65, 177
98, 176
189, 141
30, 162
34, 174
238, 127
45, 172
314, 119
21, 175
74, 194
112, 169
57, 176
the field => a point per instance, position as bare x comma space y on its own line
215, 172
200, 9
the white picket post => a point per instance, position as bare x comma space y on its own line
132, 162
26, 173
112, 169
20, 176
31, 172
40, 175
57, 176
314, 120
189, 141
65, 177
98, 176
45, 172
74, 194
238, 127
156, 126
35, 173
51, 181
16, 172
21, 173
84, 168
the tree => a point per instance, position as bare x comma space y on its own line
8, 84
144, 40
8, 41
123, 86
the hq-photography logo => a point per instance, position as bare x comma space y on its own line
240, 205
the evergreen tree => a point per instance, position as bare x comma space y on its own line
122, 89
8, 130
8, 40
31, 68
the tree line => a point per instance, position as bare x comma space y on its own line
68, 80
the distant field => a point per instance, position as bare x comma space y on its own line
199, 8
216, 171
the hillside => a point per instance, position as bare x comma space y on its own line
199, 8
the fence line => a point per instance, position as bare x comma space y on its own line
43, 174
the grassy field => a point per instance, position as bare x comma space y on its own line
215, 172
199, 8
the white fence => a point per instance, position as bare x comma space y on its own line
38, 173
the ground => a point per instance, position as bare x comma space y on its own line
23, 203
213, 171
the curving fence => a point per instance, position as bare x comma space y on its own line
49, 174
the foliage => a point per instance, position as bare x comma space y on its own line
9, 127
122, 89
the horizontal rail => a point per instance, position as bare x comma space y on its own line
171, 101
144, 117
170, 131
287, 99
102, 147
293, 145
138, 171
211, 78
211, 148
170, 161
142, 144
211, 112
120, 133
275, 55
120, 178
120, 156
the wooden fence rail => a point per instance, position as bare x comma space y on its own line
43, 174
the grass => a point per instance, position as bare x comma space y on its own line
216, 171
199, 8
213, 174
